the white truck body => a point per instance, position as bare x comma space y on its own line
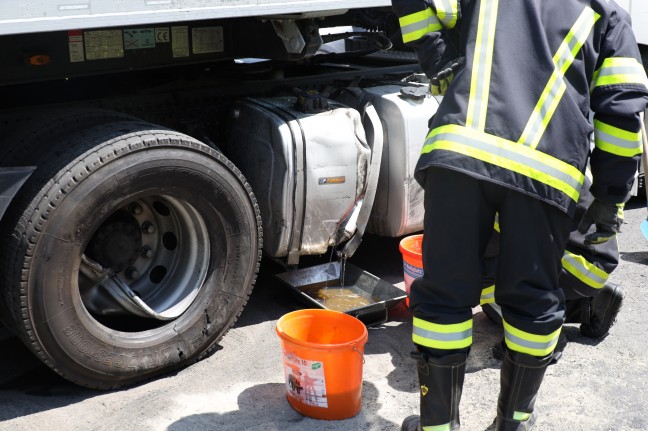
52, 15
638, 10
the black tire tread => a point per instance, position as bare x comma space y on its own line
75, 156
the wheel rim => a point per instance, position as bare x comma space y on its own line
145, 264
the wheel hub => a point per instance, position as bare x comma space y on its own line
116, 245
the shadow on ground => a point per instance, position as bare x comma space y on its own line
264, 407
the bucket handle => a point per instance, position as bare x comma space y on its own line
361, 355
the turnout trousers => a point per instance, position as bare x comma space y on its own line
460, 213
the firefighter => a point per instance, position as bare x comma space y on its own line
511, 137
590, 298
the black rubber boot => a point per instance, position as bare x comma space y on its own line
520, 377
441, 381
604, 309
498, 349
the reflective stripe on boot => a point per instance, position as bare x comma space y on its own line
441, 381
521, 377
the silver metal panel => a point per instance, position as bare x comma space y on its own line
301, 202
398, 205
52, 15
336, 148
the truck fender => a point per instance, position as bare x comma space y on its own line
11, 179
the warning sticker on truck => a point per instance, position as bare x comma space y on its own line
103, 44
305, 380
180, 41
75, 45
206, 40
139, 38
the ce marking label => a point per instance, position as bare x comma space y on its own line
162, 35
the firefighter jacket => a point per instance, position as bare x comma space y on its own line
518, 114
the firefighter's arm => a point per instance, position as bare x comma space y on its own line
430, 27
619, 94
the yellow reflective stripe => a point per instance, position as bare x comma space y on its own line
521, 416
621, 79
444, 427
531, 344
588, 273
487, 295
617, 141
418, 24
482, 65
496, 226
555, 88
620, 70
447, 11
444, 337
508, 155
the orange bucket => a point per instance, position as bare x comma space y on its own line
322, 357
412, 249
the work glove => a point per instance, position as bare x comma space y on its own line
440, 82
608, 219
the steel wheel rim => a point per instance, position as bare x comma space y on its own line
159, 248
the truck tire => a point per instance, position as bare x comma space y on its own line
155, 210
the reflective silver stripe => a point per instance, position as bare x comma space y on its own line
538, 127
618, 70
416, 25
617, 141
432, 22
510, 155
482, 65
442, 336
448, 11
495, 306
438, 336
447, 6
556, 87
623, 143
487, 296
526, 342
530, 344
577, 266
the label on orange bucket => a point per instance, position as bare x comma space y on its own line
412, 271
305, 380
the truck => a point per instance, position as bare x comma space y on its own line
153, 151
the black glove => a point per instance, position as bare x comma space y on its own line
440, 82
608, 219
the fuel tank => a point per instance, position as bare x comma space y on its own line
307, 170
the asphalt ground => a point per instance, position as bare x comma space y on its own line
597, 385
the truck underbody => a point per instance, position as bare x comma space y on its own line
139, 156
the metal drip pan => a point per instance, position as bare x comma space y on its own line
361, 294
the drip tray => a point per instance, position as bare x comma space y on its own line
363, 295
